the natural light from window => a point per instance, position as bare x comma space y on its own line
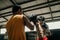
52, 25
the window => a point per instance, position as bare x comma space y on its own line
54, 25
3, 31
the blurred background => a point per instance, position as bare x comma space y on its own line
50, 9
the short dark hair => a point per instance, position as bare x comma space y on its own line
40, 18
15, 8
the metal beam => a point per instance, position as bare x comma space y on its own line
2, 21
34, 8
42, 7
38, 14
4, 18
53, 17
26, 2
1, 26
41, 4
13, 2
56, 16
5, 13
17, 3
50, 10
53, 20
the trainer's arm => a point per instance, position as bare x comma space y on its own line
28, 23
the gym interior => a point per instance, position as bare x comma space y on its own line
50, 9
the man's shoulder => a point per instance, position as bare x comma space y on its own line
18, 16
45, 25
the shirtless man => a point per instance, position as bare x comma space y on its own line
42, 29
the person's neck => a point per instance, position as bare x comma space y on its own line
19, 13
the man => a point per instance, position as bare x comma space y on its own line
16, 25
42, 29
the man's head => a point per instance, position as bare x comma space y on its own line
16, 9
41, 19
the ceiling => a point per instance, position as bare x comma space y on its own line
50, 9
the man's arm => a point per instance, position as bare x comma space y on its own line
39, 29
28, 23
